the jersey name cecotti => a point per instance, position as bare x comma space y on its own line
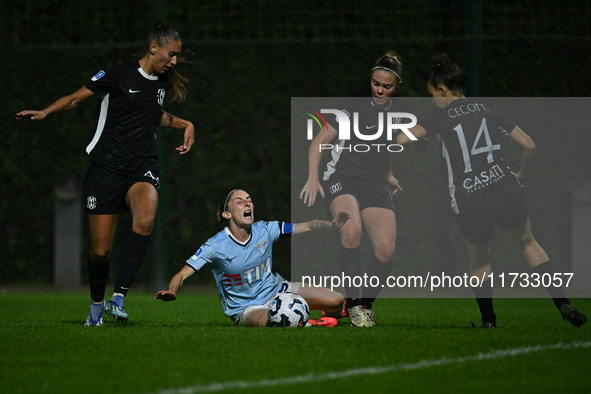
466, 109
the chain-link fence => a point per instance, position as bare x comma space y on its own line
249, 59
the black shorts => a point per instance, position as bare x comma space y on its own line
105, 190
505, 207
368, 195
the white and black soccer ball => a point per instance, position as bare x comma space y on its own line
288, 310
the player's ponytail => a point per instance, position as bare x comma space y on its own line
445, 72
392, 62
218, 215
162, 34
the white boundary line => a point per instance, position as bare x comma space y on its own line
311, 377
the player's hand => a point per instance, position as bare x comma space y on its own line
189, 140
340, 220
522, 179
394, 185
31, 114
165, 295
310, 191
422, 145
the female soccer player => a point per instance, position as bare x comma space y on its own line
363, 185
123, 172
241, 261
483, 189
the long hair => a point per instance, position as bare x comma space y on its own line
162, 34
445, 72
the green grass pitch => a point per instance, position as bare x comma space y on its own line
186, 346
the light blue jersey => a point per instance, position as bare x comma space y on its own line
242, 270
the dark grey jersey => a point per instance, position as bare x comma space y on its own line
471, 135
355, 159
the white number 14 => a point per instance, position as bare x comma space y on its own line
487, 148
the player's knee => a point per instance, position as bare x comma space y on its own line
351, 238
143, 227
527, 240
336, 302
100, 256
332, 303
384, 253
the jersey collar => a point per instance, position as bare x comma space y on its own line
381, 109
146, 75
227, 230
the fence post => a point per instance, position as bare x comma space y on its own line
476, 48
158, 276
581, 238
67, 234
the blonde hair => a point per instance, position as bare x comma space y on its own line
390, 61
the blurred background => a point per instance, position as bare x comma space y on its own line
248, 59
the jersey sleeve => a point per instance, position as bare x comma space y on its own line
432, 121
205, 254
286, 229
332, 120
277, 229
505, 123
104, 81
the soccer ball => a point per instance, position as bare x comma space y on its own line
288, 310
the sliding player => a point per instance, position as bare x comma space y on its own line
241, 261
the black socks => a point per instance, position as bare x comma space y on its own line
97, 279
484, 298
132, 257
557, 293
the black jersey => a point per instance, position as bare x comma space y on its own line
360, 160
129, 109
471, 134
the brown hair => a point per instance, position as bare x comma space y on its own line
223, 206
445, 72
163, 34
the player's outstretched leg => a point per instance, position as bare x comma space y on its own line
337, 315
115, 308
322, 322
95, 315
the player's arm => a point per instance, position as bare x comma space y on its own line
528, 153
319, 225
175, 284
418, 131
390, 178
65, 103
312, 186
174, 122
